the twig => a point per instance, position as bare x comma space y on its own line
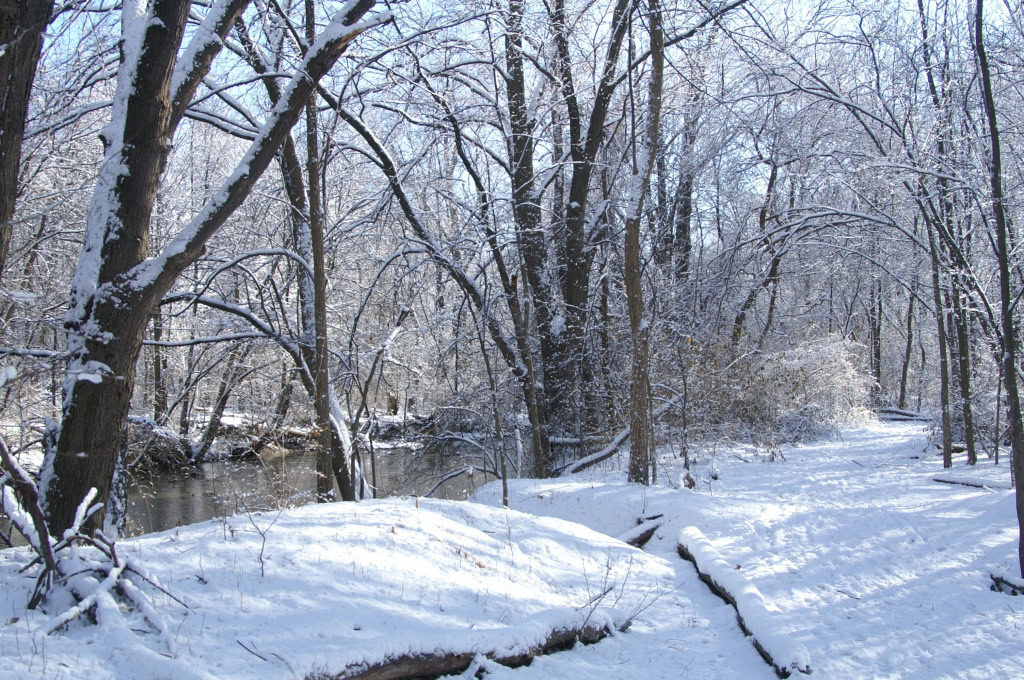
242, 644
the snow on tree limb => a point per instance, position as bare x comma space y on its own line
195, 62
159, 272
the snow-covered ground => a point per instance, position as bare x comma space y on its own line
862, 558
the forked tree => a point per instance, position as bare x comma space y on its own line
116, 287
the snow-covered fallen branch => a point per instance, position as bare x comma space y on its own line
643, 531
976, 483
613, 446
782, 653
1007, 584
547, 632
91, 578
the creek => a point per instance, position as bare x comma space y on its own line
280, 480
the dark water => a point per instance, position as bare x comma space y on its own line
221, 488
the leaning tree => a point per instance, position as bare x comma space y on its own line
116, 287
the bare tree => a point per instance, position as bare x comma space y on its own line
116, 288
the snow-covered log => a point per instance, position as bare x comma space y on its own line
976, 483
898, 415
782, 653
548, 632
643, 531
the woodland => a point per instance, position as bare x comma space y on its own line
569, 228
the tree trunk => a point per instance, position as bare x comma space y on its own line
773, 266
641, 444
1010, 347
963, 342
307, 234
321, 370
574, 269
159, 366
531, 238
947, 443
875, 323
22, 23
912, 298
283, 403
232, 373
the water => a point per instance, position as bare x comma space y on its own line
278, 480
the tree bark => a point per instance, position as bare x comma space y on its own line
22, 23
574, 270
902, 401
321, 370
963, 356
1010, 345
531, 238
947, 435
641, 444
159, 366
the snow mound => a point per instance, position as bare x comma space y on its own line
334, 586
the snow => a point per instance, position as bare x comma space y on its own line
974, 480
858, 555
757, 614
204, 38
557, 325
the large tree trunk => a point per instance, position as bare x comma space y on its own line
104, 335
22, 23
532, 240
586, 137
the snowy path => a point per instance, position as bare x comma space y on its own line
879, 571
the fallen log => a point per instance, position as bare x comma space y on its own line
781, 653
974, 483
643, 531
613, 446
902, 415
512, 647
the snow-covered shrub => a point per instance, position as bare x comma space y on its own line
769, 397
